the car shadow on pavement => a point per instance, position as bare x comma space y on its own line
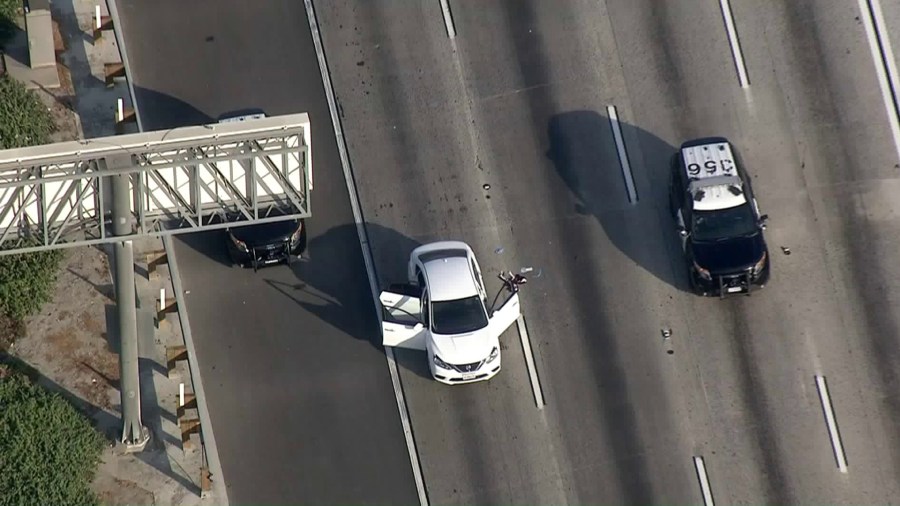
589, 166
332, 282
332, 279
160, 111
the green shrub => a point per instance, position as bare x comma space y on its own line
9, 11
26, 281
24, 119
48, 451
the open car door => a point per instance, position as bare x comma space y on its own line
505, 316
400, 325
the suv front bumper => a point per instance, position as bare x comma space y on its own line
723, 284
260, 256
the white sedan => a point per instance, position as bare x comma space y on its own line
445, 312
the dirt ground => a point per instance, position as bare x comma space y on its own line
67, 342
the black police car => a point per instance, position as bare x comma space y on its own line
718, 219
266, 243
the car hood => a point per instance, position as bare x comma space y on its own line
729, 255
464, 348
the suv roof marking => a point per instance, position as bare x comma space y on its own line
708, 160
713, 177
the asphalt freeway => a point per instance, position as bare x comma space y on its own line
301, 400
502, 137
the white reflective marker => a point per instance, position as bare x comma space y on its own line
162, 299
529, 362
885, 64
120, 110
623, 155
735, 43
448, 18
836, 444
97, 15
181, 394
704, 481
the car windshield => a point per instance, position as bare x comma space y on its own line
724, 223
458, 316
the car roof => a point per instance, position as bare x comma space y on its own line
712, 173
450, 277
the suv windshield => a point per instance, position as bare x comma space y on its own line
724, 223
458, 316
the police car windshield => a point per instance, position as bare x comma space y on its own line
458, 316
724, 223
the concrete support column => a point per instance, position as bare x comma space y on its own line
134, 435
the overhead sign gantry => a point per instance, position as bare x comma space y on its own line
180, 180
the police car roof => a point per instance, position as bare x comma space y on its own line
712, 174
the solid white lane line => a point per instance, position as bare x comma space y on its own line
367, 254
448, 18
704, 481
623, 155
735, 43
529, 362
832, 424
885, 65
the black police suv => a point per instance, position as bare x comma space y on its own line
718, 219
266, 243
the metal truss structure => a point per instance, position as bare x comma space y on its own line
180, 180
